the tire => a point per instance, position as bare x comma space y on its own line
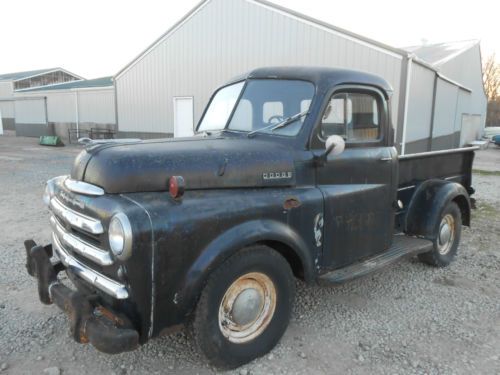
240, 286
444, 251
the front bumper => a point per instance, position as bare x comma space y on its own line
106, 330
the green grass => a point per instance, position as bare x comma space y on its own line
485, 210
483, 172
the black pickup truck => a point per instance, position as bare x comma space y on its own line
293, 173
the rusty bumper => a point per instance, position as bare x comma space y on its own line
90, 322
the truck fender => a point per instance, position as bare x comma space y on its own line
428, 202
229, 243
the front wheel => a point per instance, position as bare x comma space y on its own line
447, 237
245, 307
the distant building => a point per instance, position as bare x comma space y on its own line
438, 99
11, 82
449, 101
72, 108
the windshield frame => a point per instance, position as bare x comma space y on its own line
232, 110
246, 81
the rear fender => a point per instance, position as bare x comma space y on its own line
429, 201
229, 243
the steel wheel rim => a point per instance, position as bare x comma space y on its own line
446, 234
247, 307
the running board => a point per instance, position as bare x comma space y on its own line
401, 245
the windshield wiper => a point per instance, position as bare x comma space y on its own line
281, 124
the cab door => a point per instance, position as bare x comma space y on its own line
358, 185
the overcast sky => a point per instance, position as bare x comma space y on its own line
94, 38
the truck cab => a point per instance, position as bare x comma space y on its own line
292, 173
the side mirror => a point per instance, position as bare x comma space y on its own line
334, 145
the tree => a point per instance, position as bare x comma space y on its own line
491, 79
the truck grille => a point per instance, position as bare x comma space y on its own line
79, 245
76, 234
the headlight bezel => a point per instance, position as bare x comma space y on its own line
121, 220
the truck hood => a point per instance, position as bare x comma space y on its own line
205, 163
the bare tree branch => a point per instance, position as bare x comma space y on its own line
491, 78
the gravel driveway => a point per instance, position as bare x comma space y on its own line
410, 318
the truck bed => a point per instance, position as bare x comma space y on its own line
452, 165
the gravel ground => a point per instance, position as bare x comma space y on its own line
488, 160
411, 318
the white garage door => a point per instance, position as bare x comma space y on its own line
183, 117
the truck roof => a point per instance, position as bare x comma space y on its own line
322, 77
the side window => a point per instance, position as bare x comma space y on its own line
271, 111
354, 116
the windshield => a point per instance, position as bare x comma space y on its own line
264, 102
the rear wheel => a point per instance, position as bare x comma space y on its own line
245, 307
447, 237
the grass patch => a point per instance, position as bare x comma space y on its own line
483, 172
485, 210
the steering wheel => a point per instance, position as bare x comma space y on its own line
276, 119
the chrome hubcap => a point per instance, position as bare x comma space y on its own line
247, 307
446, 234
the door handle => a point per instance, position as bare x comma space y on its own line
386, 159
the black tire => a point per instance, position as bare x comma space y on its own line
254, 260
439, 256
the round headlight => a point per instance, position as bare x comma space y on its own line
120, 236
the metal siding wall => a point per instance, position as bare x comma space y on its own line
444, 115
6, 89
97, 106
61, 106
224, 39
420, 104
463, 106
471, 128
30, 111
7, 109
466, 69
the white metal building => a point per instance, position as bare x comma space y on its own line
11, 82
447, 103
436, 104
76, 106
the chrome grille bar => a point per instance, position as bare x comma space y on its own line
111, 287
76, 219
80, 246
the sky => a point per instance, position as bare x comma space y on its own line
95, 38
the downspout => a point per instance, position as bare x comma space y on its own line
46, 112
77, 114
115, 90
433, 112
407, 95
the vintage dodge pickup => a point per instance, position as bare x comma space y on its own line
293, 173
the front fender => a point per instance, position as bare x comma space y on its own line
233, 240
428, 202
